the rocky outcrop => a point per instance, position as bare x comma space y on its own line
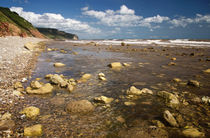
11, 24
82, 107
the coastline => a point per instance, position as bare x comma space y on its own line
16, 63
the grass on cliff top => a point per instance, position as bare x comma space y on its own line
12, 17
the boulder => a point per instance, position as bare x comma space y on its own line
58, 101
193, 83
133, 91
103, 100
31, 112
192, 133
177, 80
32, 131
45, 89
86, 76
30, 46
171, 99
58, 64
170, 118
35, 85
81, 106
58, 80
129, 103
205, 99
207, 71
115, 65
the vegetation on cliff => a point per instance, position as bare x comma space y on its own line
56, 34
11, 24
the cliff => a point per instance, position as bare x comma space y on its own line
11, 24
56, 34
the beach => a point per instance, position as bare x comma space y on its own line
141, 81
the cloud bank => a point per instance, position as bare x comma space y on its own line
52, 20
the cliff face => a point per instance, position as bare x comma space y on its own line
11, 24
56, 34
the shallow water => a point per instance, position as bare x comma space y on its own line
102, 122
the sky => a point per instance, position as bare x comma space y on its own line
119, 19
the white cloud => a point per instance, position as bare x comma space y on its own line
183, 21
124, 17
52, 20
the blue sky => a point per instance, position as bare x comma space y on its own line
105, 19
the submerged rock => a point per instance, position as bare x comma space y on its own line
103, 99
35, 130
58, 64
170, 118
81, 106
171, 99
31, 112
192, 133
115, 65
45, 89
193, 83
58, 101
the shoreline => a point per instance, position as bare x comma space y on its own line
16, 62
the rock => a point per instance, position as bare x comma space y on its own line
86, 76
58, 80
126, 64
48, 76
115, 65
120, 119
129, 103
173, 58
70, 87
158, 123
193, 83
196, 100
35, 130
30, 46
6, 116
17, 93
58, 101
6, 124
133, 91
170, 118
122, 44
177, 80
49, 49
101, 76
35, 85
205, 99
31, 112
207, 71
103, 99
81, 106
171, 100
146, 91
18, 85
58, 64
45, 89
171, 64
192, 133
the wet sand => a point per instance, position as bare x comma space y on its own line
149, 68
